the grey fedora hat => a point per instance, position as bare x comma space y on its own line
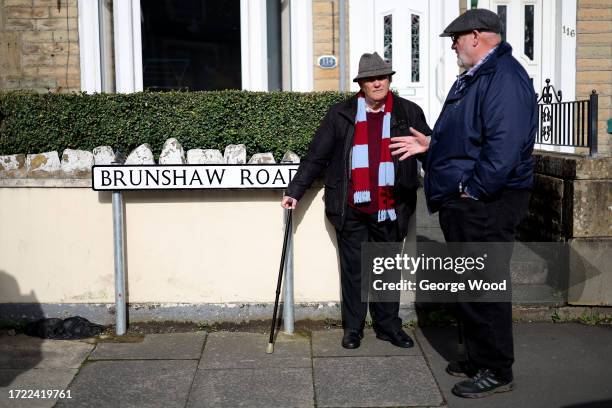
474, 19
372, 65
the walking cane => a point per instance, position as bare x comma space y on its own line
270, 348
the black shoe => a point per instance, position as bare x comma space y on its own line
399, 338
482, 384
461, 369
352, 338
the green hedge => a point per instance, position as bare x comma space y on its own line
263, 121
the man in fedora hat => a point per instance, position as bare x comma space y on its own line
478, 176
369, 197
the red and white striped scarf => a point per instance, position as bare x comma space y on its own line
360, 170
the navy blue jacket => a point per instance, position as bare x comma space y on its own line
483, 139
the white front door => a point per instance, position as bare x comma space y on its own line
401, 37
522, 24
406, 33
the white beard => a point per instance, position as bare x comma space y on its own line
461, 63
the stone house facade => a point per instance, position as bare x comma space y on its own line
59, 45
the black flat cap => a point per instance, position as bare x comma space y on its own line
474, 19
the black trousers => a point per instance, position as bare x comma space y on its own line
487, 326
359, 228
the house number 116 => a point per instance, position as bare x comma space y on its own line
570, 32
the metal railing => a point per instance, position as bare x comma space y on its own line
572, 124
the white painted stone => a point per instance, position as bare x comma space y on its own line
13, 166
172, 153
235, 154
290, 157
141, 155
204, 156
77, 162
43, 164
262, 158
103, 155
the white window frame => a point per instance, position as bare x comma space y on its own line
302, 60
128, 46
89, 46
254, 45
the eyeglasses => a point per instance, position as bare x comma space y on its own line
455, 37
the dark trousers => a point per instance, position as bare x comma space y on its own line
487, 326
359, 228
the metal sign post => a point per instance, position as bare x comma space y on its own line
188, 177
118, 234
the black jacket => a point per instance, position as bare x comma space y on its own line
329, 155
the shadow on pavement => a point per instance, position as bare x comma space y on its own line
16, 355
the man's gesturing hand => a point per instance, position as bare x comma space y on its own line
289, 202
409, 145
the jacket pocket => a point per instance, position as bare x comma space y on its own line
331, 198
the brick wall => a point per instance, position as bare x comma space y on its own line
326, 34
39, 45
594, 61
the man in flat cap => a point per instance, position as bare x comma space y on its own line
478, 176
369, 196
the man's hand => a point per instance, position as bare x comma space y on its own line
409, 145
289, 202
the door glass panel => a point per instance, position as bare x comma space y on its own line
528, 41
388, 38
416, 65
501, 12
191, 44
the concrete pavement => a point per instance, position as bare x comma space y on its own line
557, 365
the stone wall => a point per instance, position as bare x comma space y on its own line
572, 198
326, 39
572, 202
594, 61
39, 45
77, 164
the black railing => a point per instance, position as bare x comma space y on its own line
571, 124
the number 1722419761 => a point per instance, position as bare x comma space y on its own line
39, 394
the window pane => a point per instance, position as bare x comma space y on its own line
528, 43
501, 12
388, 38
191, 44
416, 61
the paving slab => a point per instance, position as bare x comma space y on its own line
327, 344
248, 350
253, 388
30, 352
171, 346
375, 382
42, 379
135, 384
564, 365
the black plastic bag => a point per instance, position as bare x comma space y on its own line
71, 328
